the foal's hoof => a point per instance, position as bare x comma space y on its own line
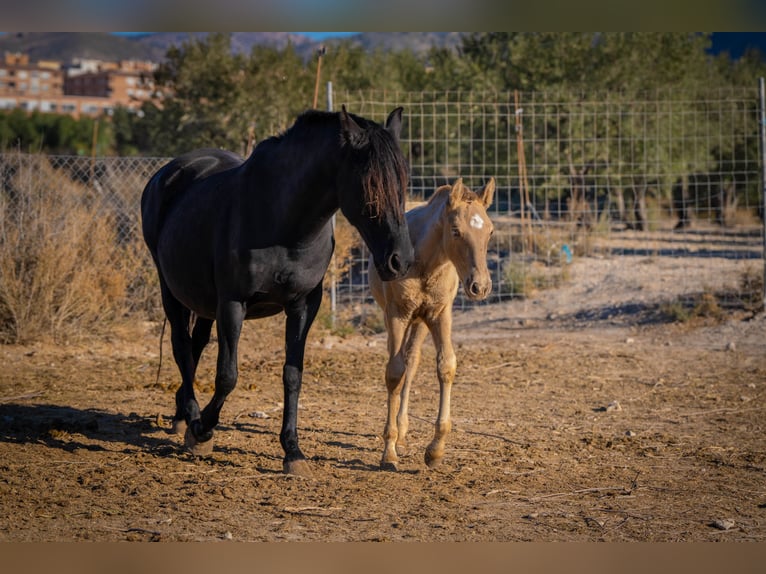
195, 447
401, 449
388, 466
298, 467
179, 426
433, 460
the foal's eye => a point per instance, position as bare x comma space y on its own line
455, 232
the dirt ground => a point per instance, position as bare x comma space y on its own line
575, 418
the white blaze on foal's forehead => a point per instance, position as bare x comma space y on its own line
476, 221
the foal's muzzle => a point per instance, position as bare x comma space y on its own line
477, 290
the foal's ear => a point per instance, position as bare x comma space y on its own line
394, 122
351, 132
488, 192
456, 194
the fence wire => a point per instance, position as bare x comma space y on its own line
667, 175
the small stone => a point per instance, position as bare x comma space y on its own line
613, 406
731, 346
723, 524
227, 492
259, 415
227, 535
630, 433
630, 341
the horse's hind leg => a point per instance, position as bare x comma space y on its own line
412, 349
178, 316
199, 339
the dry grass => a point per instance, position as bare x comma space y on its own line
63, 273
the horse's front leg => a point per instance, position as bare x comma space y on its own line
300, 316
229, 318
446, 365
412, 353
395, 369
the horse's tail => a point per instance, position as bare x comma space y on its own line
157, 195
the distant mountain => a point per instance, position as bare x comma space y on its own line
66, 46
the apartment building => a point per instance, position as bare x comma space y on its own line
84, 87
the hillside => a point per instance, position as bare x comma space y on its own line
65, 46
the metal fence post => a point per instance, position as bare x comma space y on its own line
333, 269
761, 91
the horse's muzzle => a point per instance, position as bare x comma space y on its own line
477, 290
395, 266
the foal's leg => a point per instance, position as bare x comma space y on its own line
229, 318
412, 348
446, 365
299, 319
395, 369
199, 339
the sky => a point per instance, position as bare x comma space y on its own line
324, 35
312, 35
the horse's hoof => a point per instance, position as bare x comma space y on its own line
388, 465
297, 467
179, 426
195, 447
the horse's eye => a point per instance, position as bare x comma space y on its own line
455, 232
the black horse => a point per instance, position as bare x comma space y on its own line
238, 239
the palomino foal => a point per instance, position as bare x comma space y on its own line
450, 235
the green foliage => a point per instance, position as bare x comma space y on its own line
52, 133
216, 97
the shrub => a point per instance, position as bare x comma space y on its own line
60, 273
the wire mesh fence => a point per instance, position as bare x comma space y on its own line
673, 174
667, 175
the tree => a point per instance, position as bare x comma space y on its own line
202, 86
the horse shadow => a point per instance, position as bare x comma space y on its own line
69, 428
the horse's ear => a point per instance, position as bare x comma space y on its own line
456, 194
394, 122
488, 193
350, 130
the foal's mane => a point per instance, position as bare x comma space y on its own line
385, 168
468, 195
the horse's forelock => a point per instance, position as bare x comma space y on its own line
386, 171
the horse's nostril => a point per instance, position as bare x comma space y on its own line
395, 263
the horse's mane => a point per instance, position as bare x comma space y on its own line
386, 170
